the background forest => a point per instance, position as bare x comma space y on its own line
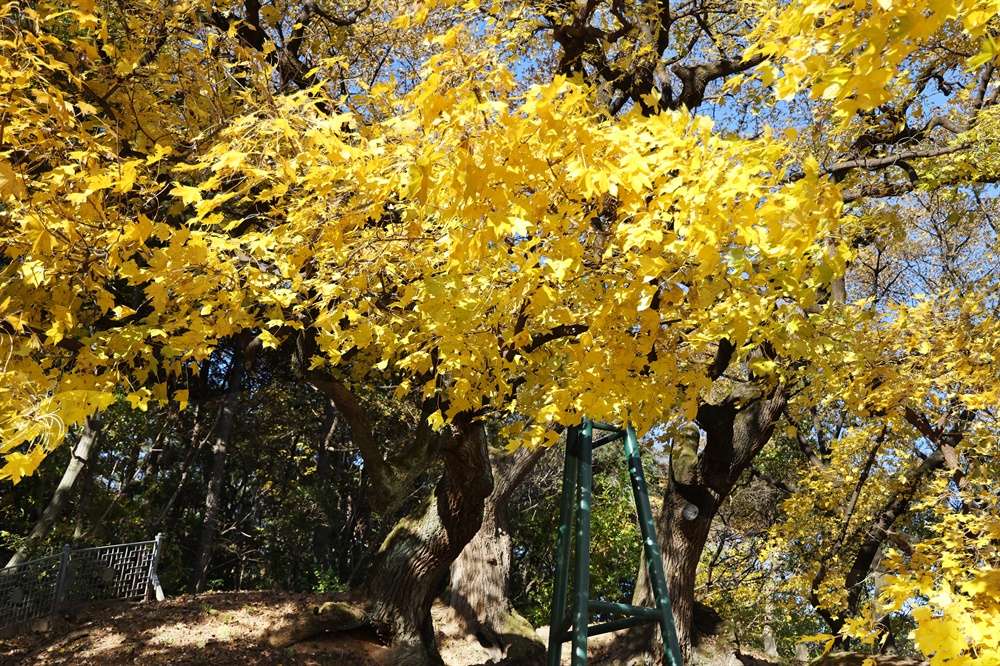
293, 513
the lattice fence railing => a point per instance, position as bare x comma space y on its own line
37, 588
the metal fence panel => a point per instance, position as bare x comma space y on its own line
109, 572
28, 590
35, 589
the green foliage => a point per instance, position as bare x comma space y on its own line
616, 547
327, 581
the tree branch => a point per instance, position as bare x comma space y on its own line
791, 489
804, 444
695, 78
723, 356
357, 420
878, 163
69, 344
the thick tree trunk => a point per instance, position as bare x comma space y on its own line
681, 543
395, 599
417, 554
736, 430
220, 448
77, 461
480, 576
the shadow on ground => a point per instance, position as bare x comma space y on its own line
214, 628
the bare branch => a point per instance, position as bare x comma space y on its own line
804, 445
791, 489
697, 77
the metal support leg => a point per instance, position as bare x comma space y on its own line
654, 564
581, 582
564, 547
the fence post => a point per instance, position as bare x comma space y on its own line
60, 578
153, 581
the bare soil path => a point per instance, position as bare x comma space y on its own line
214, 628
230, 629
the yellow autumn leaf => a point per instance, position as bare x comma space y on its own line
187, 194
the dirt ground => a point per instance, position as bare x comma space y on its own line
230, 629
225, 628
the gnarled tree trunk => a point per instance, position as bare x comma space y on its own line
395, 599
417, 554
480, 577
736, 430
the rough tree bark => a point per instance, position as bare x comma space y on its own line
480, 576
395, 598
417, 554
77, 461
736, 430
220, 447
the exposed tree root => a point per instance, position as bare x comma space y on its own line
332, 616
522, 645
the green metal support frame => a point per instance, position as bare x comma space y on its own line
576, 496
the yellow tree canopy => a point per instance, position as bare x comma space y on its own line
502, 249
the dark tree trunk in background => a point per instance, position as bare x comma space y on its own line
355, 541
150, 464
417, 554
737, 429
220, 447
195, 443
324, 472
85, 484
480, 576
78, 460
